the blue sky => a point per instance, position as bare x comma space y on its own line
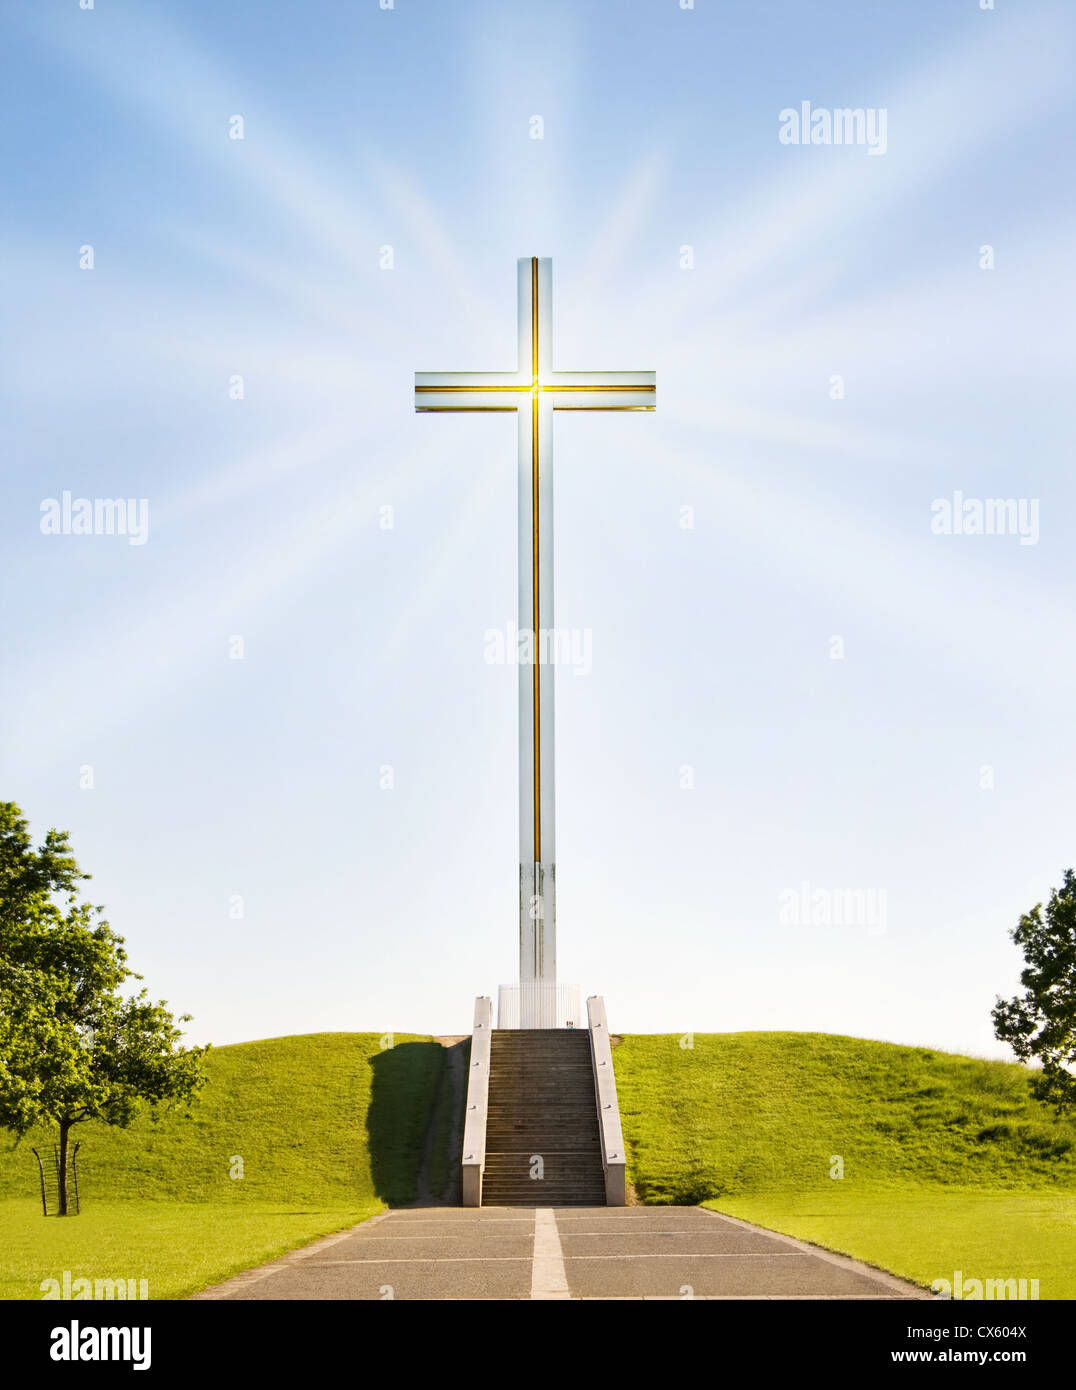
216, 778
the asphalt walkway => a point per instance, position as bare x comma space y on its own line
567, 1253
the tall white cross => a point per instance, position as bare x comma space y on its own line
534, 392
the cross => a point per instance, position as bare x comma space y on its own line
534, 391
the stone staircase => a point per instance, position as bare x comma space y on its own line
542, 1105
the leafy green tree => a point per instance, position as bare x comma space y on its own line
1041, 1023
72, 1047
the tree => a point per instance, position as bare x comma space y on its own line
1042, 1022
72, 1046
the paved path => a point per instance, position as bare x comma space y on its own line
571, 1252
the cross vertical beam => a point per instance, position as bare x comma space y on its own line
534, 392
537, 786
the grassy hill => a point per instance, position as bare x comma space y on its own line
325, 1118
761, 1112
329, 1129
946, 1162
336, 1118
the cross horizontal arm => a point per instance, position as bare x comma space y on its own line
507, 390
470, 390
602, 390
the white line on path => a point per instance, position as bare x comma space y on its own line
434, 1260
548, 1276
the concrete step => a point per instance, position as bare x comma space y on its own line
551, 1132
570, 1111
520, 1170
534, 1071
543, 1194
570, 1196
542, 1124
541, 1088
589, 1200
554, 1104
564, 1118
574, 1056
510, 1092
569, 1121
558, 1104
551, 1140
539, 1049
575, 1099
580, 1183
577, 1158
537, 1071
570, 1185
545, 1079
540, 1140
550, 1179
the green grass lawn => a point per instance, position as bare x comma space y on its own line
947, 1162
178, 1247
930, 1234
326, 1129
761, 1112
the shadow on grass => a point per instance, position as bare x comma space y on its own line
401, 1101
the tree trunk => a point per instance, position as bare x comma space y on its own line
65, 1130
